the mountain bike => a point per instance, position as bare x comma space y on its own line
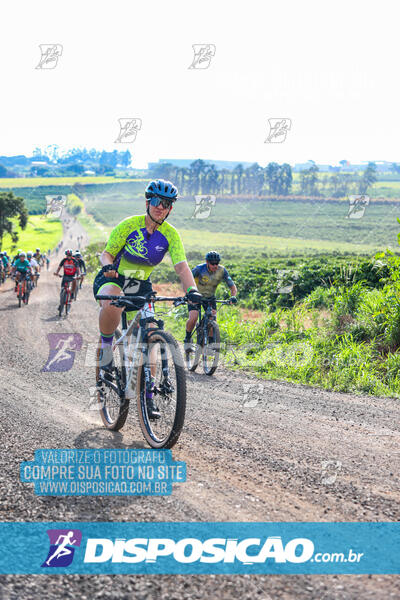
141, 352
22, 294
208, 339
65, 295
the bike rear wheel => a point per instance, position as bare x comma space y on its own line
211, 350
113, 405
169, 390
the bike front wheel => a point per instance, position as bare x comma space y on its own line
67, 302
211, 349
192, 355
163, 360
113, 405
62, 302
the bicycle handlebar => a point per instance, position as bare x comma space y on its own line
130, 300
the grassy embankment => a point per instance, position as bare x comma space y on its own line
40, 232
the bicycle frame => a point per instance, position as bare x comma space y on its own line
207, 315
133, 352
146, 316
67, 287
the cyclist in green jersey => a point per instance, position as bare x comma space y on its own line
134, 248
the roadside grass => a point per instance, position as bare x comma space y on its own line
95, 231
349, 343
40, 232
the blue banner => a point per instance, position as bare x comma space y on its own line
200, 548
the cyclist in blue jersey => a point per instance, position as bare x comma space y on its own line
21, 267
208, 276
134, 248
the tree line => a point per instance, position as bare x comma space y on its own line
204, 178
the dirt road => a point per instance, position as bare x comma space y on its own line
301, 454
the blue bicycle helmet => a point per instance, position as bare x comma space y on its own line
162, 188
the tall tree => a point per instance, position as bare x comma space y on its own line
309, 181
10, 207
285, 179
197, 169
238, 171
211, 177
272, 176
368, 177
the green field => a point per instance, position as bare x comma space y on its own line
21, 182
202, 240
96, 231
40, 233
109, 188
309, 224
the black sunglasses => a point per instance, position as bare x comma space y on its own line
213, 263
157, 200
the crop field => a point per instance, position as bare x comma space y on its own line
309, 224
21, 182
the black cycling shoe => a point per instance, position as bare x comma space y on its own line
152, 409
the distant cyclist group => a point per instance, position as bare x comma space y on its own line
24, 268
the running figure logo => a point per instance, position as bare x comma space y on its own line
278, 129
357, 206
55, 205
62, 351
61, 551
50, 55
203, 54
128, 130
203, 206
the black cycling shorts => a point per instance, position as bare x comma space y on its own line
205, 303
66, 278
130, 287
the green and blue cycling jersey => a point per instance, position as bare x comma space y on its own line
5, 260
208, 282
22, 265
136, 251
